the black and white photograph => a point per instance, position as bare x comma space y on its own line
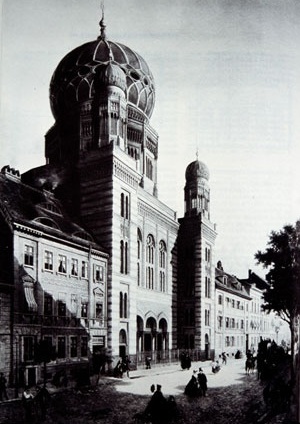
150, 212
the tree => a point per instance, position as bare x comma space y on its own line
282, 259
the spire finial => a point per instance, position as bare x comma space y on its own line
102, 24
197, 153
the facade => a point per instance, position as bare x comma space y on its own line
57, 278
97, 263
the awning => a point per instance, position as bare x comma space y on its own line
29, 295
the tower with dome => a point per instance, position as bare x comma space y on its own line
196, 269
101, 162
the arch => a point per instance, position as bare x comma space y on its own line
122, 337
151, 324
163, 325
139, 323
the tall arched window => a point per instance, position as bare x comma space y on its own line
150, 255
139, 256
125, 305
126, 258
121, 305
122, 257
122, 204
162, 265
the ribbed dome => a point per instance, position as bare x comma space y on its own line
195, 170
76, 77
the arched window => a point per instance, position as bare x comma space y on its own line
150, 255
122, 257
207, 287
139, 256
122, 204
125, 305
121, 305
162, 265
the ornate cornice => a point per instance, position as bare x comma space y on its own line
148, 212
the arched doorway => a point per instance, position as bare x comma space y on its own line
122, 343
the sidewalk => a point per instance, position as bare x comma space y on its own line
173, 379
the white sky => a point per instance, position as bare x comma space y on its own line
227, 78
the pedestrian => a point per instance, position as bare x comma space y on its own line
125, 365
224, 358
202, 381
191, 389
43, 399
3, 392
157, 407
148, 363
27, 399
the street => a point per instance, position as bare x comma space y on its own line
232, 397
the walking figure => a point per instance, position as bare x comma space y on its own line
3, 393
125, 364
148, 363
224, 358
202, 380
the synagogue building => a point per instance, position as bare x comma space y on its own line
93, 264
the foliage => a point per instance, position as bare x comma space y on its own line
282, 258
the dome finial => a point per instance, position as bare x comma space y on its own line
102, 24
197, 154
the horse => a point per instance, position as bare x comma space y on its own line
250, 365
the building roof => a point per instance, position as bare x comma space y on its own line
230, 284
21, 204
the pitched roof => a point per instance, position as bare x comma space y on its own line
38, 209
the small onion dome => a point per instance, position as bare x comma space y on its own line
196, 170
112, 74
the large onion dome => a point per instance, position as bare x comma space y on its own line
79, 76
196, 170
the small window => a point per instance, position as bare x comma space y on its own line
74, 267
62, 264
48, 263
98, 273
99, 310
84, 269
28, 255
61, 308
84, 346
84, 310
48, 304
61, 347
28, 348
73, 347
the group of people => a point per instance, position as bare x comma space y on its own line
197, 386
35, 403
215, 367
185, 361
123, 366
159, 410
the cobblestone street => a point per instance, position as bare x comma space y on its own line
233, 397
